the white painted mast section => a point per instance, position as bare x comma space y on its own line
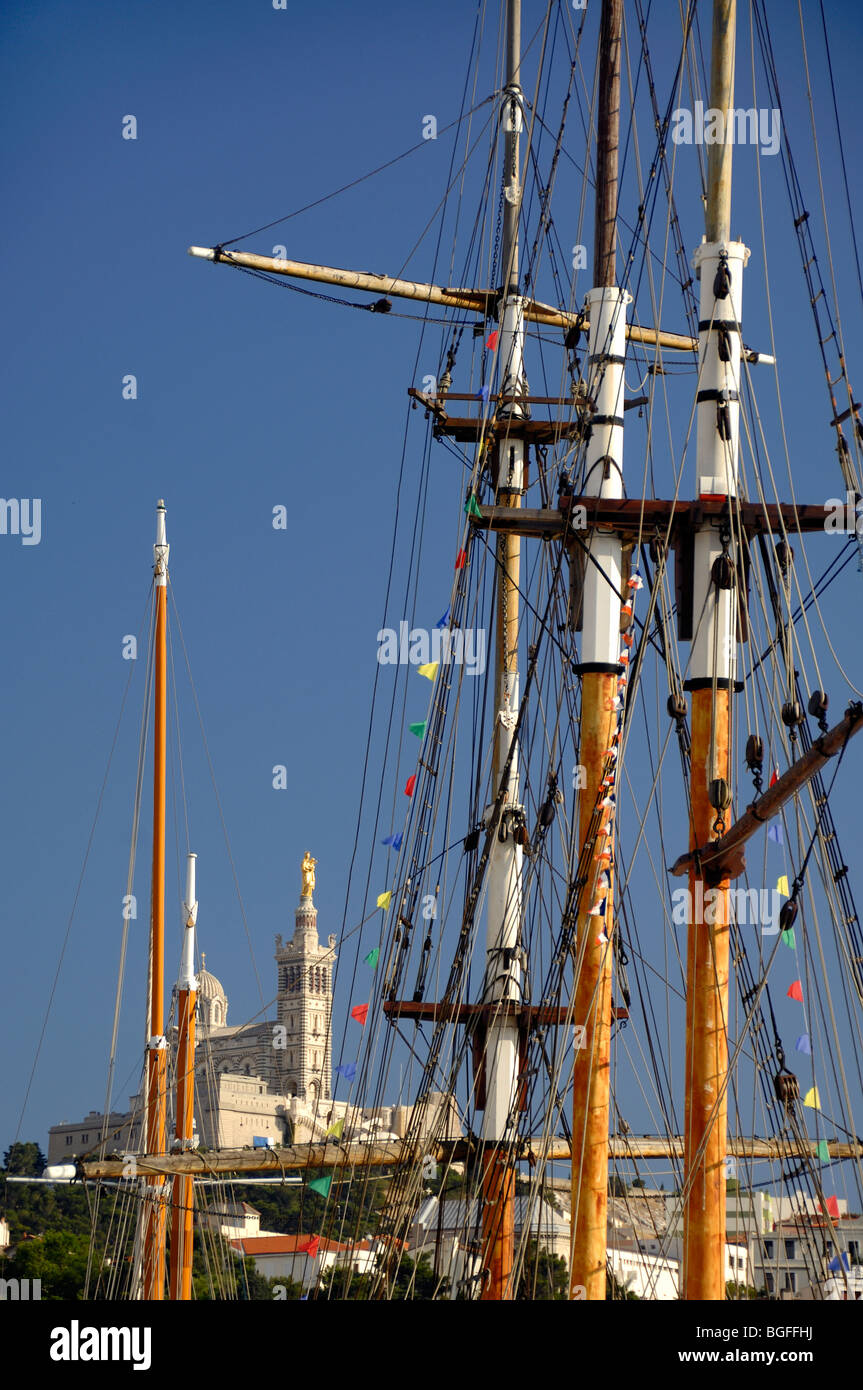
714, 612
161, 549
187, 978
603, 474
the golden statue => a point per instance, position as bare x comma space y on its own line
308, 870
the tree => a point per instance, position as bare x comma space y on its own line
544, 1277
58, 1259
25, 1160
737, 1291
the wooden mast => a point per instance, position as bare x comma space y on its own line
182, 1213
719, 264
599, 692
502, 984
155, 1213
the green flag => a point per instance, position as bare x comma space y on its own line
472, 507
372, 957
321, 1185
419, 728
822, 1151
788, 937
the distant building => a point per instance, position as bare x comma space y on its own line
797, 1258
280, 1257
448, 1233
266, 1080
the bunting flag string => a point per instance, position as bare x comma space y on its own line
372, 957
812, 1099
442, 622
461, 560
310, 1246
832, 1207
346, 1069
822, 1152
483, 393
782, 885
472, 507
321, 1185
774, 833
410, 784
774, 777
491, 340
803, 1044
360, 1012
394, 840
384, 899
419, 728
428, 669
795, 991
336, 1130
788, 938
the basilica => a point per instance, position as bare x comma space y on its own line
269, 1080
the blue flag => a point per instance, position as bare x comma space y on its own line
394, 840
347, 1069
838, 1262
442, 622
483, 393
803, 1045
774, 833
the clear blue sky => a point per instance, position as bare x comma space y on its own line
247, 397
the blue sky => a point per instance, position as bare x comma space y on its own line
248, 397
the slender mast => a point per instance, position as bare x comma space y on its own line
182, 1214
600, 672
719, 264
503, 970
155, 1213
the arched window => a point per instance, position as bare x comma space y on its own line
216, 1013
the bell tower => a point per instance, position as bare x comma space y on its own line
305, 1001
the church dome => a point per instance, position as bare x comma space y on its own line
209, 987
212, 999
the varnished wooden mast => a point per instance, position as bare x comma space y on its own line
155, 1212
182, 1210
712, 668
600, 669
502, 984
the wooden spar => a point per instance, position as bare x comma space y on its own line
600, 647
723, 858
390, 1154
476, 301
502, 981
157, 1057
713, 667
183, 1201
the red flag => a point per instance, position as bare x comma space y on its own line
796, 992
310, 1246
491, 340
461, 560
832, 1207
360, 1013
410, 784
774, 777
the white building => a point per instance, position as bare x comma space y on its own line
268, 1080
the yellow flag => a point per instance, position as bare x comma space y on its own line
384, 900
812, 1100
429, 670
782, 885
337, 1128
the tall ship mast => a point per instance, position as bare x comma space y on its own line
559, 923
